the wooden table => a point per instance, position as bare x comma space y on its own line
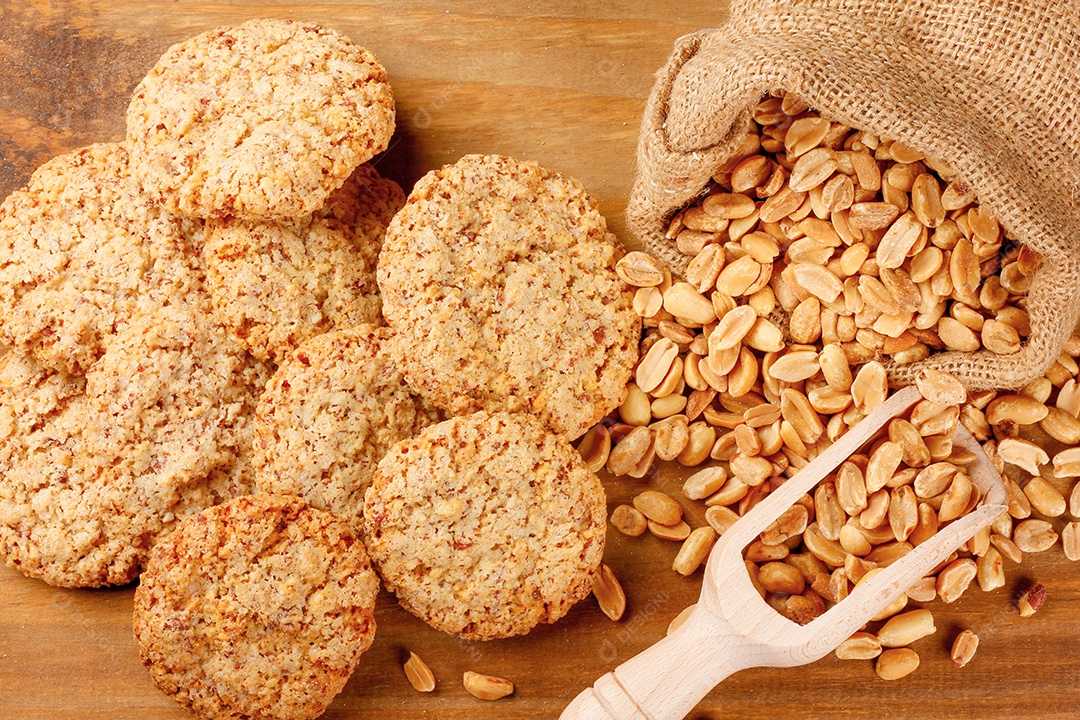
563, 84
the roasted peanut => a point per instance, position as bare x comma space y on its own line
487, 687
964, 647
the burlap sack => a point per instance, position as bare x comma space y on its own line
991, 87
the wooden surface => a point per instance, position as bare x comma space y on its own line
563, 84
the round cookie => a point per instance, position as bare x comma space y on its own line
260, 121
169, 404
258, 608
486, 525
80, 248
498, 277
166, 427
278, 284
328, 415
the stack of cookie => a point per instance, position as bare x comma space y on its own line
498, 280
147, 288
200, 387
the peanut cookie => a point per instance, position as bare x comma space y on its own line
498, 277
50, 513
166, 423
329, 414
259, 121
93, 470
278, 284
80, 247
486, 525
258, 608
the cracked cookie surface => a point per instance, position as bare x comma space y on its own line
486, 525
51, 524
329, 414
261, 121
498, 277
166, 428
95, 469
260, 607
81, 250
278, 284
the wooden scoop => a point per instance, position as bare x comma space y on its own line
732, 628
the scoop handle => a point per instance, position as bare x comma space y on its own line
666, 681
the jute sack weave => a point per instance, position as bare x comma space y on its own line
990, 87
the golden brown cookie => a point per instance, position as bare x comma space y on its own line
169, 396
486, 525
51, 517
278, 284
262, 120
94, 470
258, 608
80, 248
329, 414
498, 277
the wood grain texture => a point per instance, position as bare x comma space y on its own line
564, 84
732, 628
